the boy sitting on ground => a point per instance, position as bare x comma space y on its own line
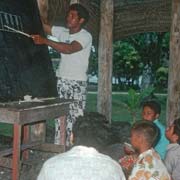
149, 165
151, 110
172, 158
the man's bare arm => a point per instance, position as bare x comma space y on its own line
58, 46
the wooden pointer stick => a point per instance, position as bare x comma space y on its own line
17, 31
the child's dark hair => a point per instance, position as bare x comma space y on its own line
81, 10
154, 105
177, 128
148, 129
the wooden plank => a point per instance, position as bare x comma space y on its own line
25, 112
25, 140
43, 113
9, 151
173, 102
8, 116
47, 147
105, 52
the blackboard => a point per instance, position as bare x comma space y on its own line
25, 68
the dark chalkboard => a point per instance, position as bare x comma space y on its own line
25, 68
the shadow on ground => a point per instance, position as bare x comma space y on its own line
31, 167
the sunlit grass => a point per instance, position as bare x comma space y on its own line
119, 113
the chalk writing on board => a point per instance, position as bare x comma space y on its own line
10, 20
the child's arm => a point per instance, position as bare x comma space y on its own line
128, 149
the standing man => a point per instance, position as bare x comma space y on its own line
75, 46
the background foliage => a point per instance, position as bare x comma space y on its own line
132, 55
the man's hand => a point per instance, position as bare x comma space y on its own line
38, 39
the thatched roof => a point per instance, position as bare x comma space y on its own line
130, 16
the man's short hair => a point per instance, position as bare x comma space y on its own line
81, 10
148, 129
154, 105
91, 130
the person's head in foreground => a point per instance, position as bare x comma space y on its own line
84, 162
144, 135
173, 132
151, 110
91, 130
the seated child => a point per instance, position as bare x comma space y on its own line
151, 112
148, 165
172, 158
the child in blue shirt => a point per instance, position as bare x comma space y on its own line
151, 112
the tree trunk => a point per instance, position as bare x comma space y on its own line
104, 100
173, 103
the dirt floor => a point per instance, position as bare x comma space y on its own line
30, 168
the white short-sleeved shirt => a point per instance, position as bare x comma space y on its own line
81, 163
73, 66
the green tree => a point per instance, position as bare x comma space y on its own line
153, 49
132, 55
126, 62
161, 78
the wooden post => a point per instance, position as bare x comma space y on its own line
104, 99
43, 6
173, 102
16, 152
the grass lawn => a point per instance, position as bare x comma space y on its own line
119, 112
